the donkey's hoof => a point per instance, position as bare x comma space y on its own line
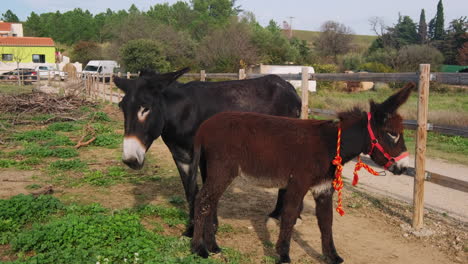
215, 249
200, 250
285, 259
188, 232
334, 259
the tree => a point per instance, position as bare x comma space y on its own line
422, 28
84, 51
405, 32
9, 16
272, 44
141, 54
462, 57
439, 28
409, 57
335, 39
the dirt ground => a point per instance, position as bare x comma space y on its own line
366, 234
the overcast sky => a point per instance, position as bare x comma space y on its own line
308, 14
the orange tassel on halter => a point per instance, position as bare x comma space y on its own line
338, 181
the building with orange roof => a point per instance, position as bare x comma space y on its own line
27, 51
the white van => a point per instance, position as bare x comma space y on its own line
100, 67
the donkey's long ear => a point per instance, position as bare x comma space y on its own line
171, 77
123, 84
391, 105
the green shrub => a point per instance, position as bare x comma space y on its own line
375, 67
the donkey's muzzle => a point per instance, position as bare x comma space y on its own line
133, 163
133, 152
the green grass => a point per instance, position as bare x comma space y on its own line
448, 108
44, 230
38, 151
15, 89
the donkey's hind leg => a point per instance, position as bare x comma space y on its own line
276, 213
292, 205
324, 213
204, 240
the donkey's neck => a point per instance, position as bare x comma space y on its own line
354, 139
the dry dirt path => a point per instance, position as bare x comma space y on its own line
442, 199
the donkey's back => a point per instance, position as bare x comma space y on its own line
267, 149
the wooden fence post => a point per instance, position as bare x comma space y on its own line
104, 87
111, 89
202, 75
241, 74
128, 75
421, 138
305, 93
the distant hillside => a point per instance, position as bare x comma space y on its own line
361, 42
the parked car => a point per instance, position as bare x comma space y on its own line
25, 74
100, 67
44, 72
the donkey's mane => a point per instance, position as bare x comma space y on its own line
351, 116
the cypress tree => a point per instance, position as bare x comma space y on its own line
439, 22
422, 28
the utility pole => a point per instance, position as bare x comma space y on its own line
290, 26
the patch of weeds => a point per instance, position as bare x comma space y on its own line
60, 140
176, 200
64, 126
22, 209
88, 209
101, 128
269, 260
117, 172
355, 205
7, 163
444, 214
225, 228
35, 150
34, 135
33, 186
170, 215
100, 116
268, 244
42, 117
109, 140
114, 175
65, 165
89, 233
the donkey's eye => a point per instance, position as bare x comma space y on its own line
143, 113
395, 137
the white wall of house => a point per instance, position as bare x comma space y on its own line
17, 28
286, 69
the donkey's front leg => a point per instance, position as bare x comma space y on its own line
324, 213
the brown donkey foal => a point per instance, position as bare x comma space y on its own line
270, 151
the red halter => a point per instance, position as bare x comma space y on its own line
338, 181
375, 144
